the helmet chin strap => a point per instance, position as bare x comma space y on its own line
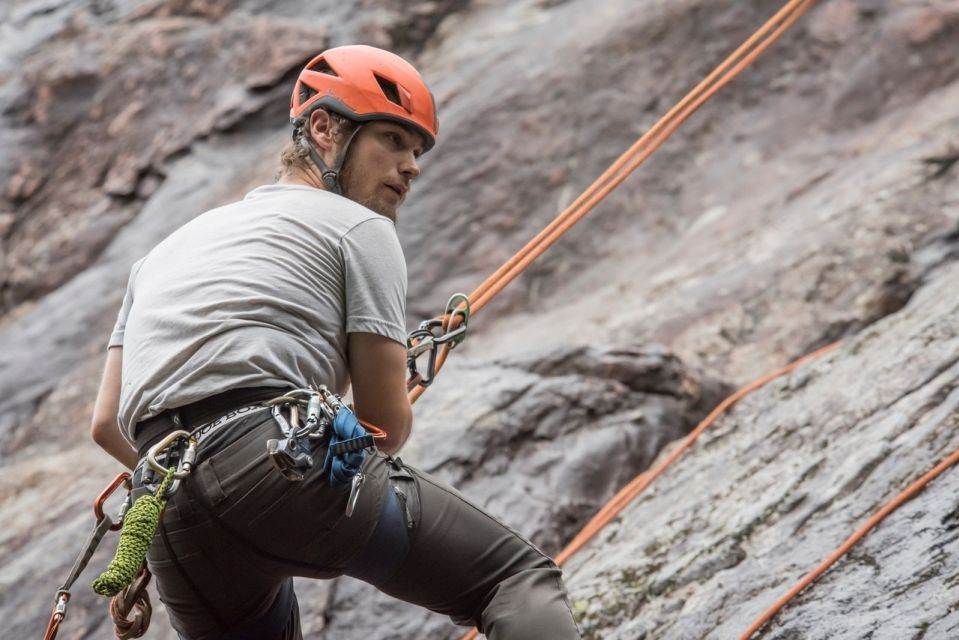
331, 175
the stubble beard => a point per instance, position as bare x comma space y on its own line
372, 202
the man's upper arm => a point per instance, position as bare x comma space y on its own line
105, 428
378, 372
107, 404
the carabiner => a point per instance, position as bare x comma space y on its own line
185, 465
122, 478
458, 305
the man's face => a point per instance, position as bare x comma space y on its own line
380, 166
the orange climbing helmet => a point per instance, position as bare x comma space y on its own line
364, 83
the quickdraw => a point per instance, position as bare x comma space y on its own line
127, 576
100, 528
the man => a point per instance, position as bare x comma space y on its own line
303, 283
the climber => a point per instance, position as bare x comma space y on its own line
300, 284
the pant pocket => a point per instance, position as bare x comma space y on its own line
404, 485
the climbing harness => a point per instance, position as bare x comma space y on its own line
173, 458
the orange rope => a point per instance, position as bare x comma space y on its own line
639, 484
628, 162
599, 189
641, 149
891, 506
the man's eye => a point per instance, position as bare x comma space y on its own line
394, 138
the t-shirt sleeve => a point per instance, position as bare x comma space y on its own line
375, 279
116, 338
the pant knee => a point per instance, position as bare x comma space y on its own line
532, 604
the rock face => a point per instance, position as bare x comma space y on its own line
813, 199
783, 480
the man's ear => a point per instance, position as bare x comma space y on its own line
321, 130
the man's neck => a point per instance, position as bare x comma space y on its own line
309, 177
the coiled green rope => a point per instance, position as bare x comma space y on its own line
139, 527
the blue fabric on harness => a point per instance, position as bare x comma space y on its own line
346, 452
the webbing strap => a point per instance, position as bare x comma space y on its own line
93, 541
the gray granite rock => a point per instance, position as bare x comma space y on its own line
783, 480
814, 198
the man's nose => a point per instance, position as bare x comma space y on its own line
409, 167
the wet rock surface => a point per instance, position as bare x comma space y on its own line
782, 481
815, 198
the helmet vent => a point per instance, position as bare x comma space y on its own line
390, 90
306, 92
322, 66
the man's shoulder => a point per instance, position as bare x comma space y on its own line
306, 203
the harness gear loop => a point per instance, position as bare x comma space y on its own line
100, 528
131, 609
139, 527
327, 418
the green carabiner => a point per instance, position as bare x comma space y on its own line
458, 305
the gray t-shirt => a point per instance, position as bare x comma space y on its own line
261, 292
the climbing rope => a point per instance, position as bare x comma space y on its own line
628, 162
639, 484
741, 58
139, 527
910, 492
131, 609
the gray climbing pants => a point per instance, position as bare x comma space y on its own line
236, 532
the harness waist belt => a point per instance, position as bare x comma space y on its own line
191, 416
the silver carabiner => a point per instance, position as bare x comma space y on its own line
187, 460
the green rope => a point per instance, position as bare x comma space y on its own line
139, 527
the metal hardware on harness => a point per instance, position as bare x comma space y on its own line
355, 487
100, 528
186, 459
425, 339
290, 455
124, 479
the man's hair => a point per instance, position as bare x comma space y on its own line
296, 154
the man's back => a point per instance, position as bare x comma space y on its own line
257, 293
